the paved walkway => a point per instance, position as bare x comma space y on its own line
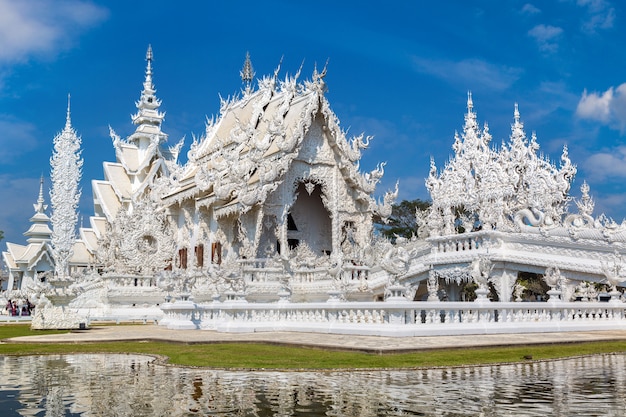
372, 344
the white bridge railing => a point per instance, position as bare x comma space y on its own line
259, 270
397, 318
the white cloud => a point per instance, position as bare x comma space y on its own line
595, 106
609, 107
42, 27
612, 205
530, 9
474, 72
600, 15
546, 37
607, 164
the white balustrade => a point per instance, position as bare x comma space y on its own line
130, 281
310, 274
405, 318
464, 242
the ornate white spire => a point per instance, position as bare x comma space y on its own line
66, 171
518, 136
68, 120
40, 207
39, 230
247, 73
471, 124
148, 119
585, 204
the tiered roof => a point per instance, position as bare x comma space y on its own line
140, 159
246, 151
39, 236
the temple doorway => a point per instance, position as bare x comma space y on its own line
308, 220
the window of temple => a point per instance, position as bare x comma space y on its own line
17, 282
291, 224
199, 252
293, 243
182, 258
216, 253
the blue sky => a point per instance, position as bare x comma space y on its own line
397, 70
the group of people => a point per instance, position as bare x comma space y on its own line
14, 309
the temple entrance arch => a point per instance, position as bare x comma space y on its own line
308, 220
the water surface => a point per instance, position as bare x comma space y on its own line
132, 385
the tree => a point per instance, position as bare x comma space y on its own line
1, 234
402, 222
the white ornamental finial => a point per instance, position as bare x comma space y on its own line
247, 73
148, 104
149, 58
68, 120
516, 114
40, 207
147, 84
471, 125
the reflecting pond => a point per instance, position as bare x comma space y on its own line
132, 385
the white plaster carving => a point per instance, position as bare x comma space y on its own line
66, 170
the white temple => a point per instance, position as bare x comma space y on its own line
270, 225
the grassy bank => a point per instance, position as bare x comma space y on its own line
253, 355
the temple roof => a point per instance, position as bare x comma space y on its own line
246, 151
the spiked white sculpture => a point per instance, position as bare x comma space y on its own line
54, 295
66, 171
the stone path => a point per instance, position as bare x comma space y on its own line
371, 344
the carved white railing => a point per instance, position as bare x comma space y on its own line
460, 243
356, 272
258, 270
310, 274
403, 318
130, 281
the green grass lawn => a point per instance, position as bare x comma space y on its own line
268, 356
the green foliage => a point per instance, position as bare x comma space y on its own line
536, 288
402, 222
1, 234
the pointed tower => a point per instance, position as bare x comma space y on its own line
39, 231
148, 119
247, 74
66, 170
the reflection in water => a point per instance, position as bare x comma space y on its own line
130, 385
